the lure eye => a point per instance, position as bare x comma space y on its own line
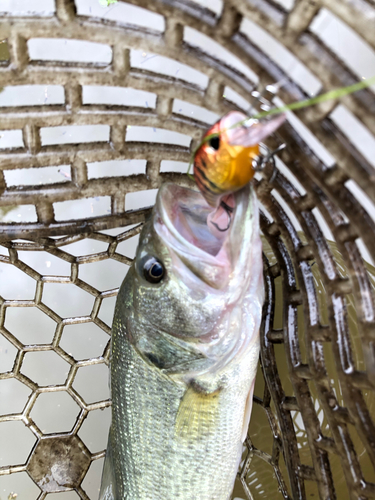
214, 143
153, 270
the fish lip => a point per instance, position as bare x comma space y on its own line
209, 254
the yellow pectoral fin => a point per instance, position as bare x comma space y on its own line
197, 414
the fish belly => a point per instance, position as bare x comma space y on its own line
150, 456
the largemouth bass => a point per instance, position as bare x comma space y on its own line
184, 352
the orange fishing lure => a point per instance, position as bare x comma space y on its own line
224, 162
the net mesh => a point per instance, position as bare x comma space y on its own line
312, 431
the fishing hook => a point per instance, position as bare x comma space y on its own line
260, 162
229, 211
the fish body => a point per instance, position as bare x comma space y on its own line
224, 163
184, 352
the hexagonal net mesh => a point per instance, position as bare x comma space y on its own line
100, 104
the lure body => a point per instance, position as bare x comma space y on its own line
224, 162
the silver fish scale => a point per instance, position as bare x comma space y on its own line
176, 470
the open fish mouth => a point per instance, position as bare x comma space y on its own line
189, 226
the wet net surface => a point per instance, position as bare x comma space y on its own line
84, 130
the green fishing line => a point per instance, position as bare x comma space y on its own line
333, 94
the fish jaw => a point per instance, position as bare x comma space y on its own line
208, 277
182, 220
204, 279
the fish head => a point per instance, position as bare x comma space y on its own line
187, 273
224, 162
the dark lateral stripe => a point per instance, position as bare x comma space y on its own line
203, 163
210, 183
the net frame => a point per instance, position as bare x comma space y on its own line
325, 189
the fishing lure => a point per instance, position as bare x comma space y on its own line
228, 156
227, 159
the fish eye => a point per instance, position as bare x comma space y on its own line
153, 270
214, 142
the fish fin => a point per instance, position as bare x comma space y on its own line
247, 413
196, 414
107, 488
